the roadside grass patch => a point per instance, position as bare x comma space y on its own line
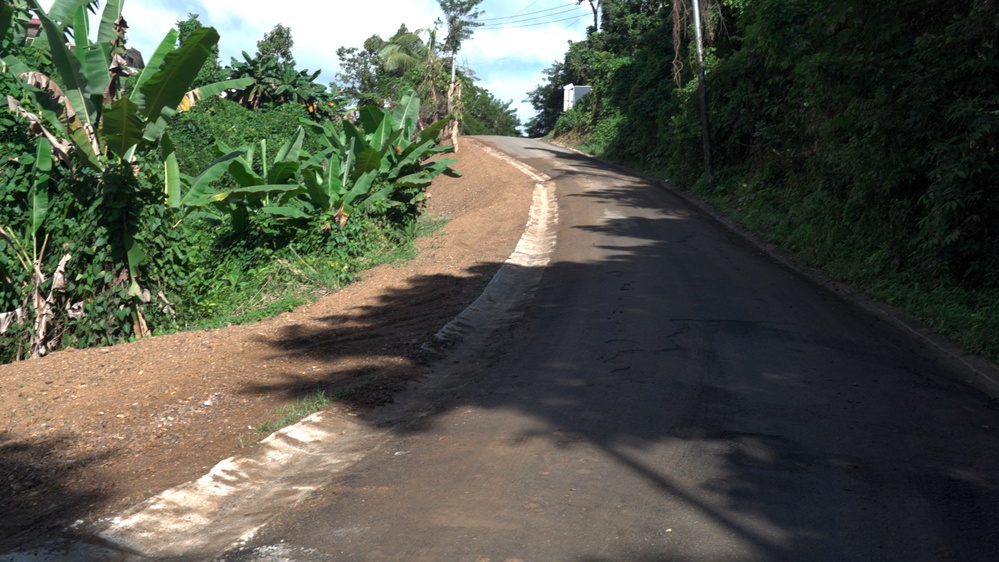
287, 415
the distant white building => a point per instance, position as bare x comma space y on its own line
573, 94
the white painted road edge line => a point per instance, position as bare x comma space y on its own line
517, 279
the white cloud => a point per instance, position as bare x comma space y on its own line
509, 61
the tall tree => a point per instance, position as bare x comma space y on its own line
277, 43
461, 19
595, 6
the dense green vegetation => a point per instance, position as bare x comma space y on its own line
188, 193
861, 136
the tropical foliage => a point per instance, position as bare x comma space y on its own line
863, 136
422, 60
113, 222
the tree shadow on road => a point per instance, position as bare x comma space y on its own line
765, 408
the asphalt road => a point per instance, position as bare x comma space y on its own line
671, 394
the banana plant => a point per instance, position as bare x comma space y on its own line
378, 161
269, 191
83, 114
381, 162
29, 251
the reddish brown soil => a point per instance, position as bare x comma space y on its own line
85, 433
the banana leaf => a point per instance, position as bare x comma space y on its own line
81, 33
171, 172
123, 128
291, 148
241, 169
284, 211
200, 186
406, 114
39, 194
192, 97
153, 66
164, 90
70, 69
62, 11
282, 172
369, 159
112, 11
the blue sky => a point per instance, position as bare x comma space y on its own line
522, 38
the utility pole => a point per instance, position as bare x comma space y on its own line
705, 122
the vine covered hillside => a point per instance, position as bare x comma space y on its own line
861, 136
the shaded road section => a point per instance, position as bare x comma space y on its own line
671, 394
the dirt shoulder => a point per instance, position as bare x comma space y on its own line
88, 432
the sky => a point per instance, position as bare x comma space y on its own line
519, 40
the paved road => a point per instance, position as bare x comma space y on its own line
672, 395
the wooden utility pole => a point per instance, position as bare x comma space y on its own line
705, 122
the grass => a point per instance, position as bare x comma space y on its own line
287, 415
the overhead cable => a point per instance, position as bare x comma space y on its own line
521, 15
505, 26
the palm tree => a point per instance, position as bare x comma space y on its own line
406, 50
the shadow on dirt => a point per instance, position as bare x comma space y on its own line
388, 338
40, 496
815, 426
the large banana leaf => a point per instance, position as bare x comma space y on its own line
153, 65
291, 148
112, 11
375, 197
123, 127
214, 89
63, 11
406, 114
241, 169
200, 185
355, 138
433, 131
369, 159
241, 194
282, 172
284, 211
164, 90
95, 66
39, 188
359, 189
81, 33
70, 69
377, 124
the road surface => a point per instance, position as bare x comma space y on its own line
671, 394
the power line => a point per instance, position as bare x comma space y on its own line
520, 14
504, 26
528, 17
